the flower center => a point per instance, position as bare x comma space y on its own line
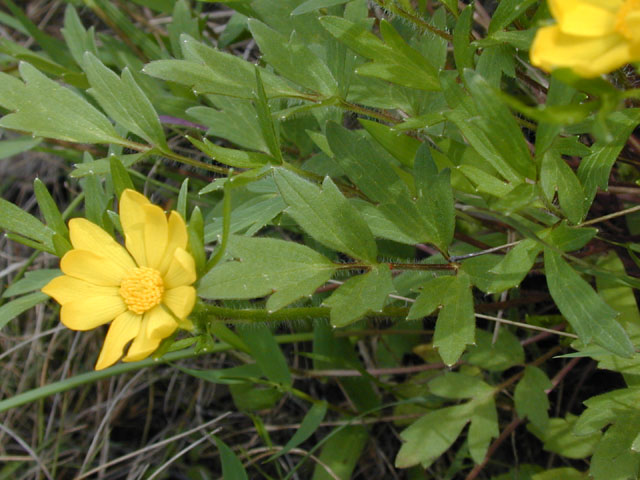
142, 289
628, 20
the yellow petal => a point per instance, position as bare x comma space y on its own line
182, 270
560, 9
156, 232
157, 324
121, 331
180, 300
92, 268
91, 312
632, 30
67, 289
86, 235
132, 218
178, 238
161, 323
588, 57
585, 18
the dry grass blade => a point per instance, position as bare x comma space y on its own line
149, 448
27, 449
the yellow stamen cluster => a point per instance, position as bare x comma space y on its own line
142, 289
627, 19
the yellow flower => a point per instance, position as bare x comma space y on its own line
592, 37
146, 289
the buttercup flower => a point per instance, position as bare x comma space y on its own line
591, 37
144, 291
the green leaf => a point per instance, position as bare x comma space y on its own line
231, 156
379, 181
124, 101
293, 59
183, 197
163, 6
556, 175
469, 124
95, 199
605, 408
248, 217
530, 397
622, 299
484, 427
12, 309
496, 61
500, 126
393, 60
182, 23
433, 295
77, 38
455, 327
18, 52
286, 269
563, 473
226, 376
9, 148
431, 435
268, 127
326, 215
231, 466
507, 12
341, 453
379, 224
559, 95
359, 295
500, 355
49, 209
455, 385
311, 5
253, 398
208, 70
485, 182
266, 352
463, 51
558, 437
196, 239
567, 238
435, 196
402, 147
120, 176
595, 168
592, 319
308, 426
16, 220
613, 458
513, 267
225, 334
33, 280
46, 109
233, 119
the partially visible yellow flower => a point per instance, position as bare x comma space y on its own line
146, 289
591, 37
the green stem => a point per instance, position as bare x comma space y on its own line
366, 111
423, 266
121, 368
399, 266
140, 147
226, 228
216, 313
420, 23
